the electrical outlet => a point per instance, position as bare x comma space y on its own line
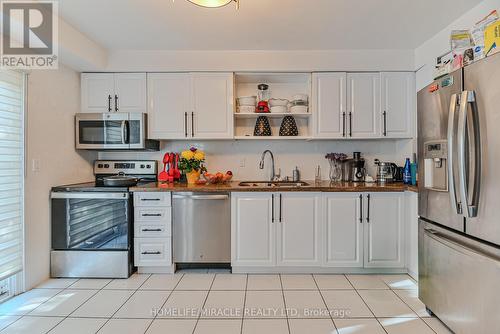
242, 162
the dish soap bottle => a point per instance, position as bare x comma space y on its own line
407, 172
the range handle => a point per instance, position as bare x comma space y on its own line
469, 200
452, 189
201, 197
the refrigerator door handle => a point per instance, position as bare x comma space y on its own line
464, 132
451, 154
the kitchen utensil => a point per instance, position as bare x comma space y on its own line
296, 174
263, 92
120, 180
163, 176
358, 171
262, 107
246, 109
279, 109
317, 174
278, 102
288, 127
171, 172
247, 101
297, 109
300, 97
262, 127
385, 171
177, 172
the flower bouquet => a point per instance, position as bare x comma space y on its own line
191, 164
336, 160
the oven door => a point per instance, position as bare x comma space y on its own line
102, 131
91, 220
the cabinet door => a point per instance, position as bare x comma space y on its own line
299, 218
344, 230
169, 104
97, 91
384, 231
363, 105
212, 100
130, 92
252, 229
398, 104
329, 105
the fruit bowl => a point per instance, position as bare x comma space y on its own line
218, 178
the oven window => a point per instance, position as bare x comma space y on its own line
97, 223
101, 132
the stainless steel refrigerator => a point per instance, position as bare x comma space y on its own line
459, 197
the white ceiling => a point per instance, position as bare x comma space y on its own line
262, 24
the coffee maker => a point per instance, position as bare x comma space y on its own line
358, 170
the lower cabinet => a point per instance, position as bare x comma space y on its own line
275, 229
300, 229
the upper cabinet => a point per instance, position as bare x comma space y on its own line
329, 103
113, 92
398, 104
363, 105
190, 105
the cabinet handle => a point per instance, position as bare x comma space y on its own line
343, 124
150, 199
192, 124
151, 230
151, 214
361, 209
185, 124
350, 124
109, 102
384, 114
281, 205
116, 102
368, 209
272, 208
151, 253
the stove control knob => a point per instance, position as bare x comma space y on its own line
106, 166
142, 166
99, 166
148, 166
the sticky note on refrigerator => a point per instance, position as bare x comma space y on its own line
492, 38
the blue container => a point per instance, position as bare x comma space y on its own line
407, 172
413, 170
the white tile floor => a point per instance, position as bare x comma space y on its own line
216, 302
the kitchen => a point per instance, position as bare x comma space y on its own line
243, 177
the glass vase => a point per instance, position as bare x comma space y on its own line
335, 171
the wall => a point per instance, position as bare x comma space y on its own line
53, 100
425, 54
228, 155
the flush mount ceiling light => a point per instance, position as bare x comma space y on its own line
214, 3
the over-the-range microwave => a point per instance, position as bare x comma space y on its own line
113, 131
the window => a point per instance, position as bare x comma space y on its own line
11, 178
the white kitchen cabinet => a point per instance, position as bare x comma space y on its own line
169, 105
212, 105
253, 229
97, 90
398, 104
363, 105
344, 230
298, 229
411, 228
113, 92
384, 231
329, 104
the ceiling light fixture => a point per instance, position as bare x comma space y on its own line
214, 3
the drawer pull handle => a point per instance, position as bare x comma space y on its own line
150, 199
152, 230
151, 253
151, 214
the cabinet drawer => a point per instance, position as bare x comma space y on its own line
152, 252
152, 229
143, 214
152, 199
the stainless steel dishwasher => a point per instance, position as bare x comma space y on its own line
201, 227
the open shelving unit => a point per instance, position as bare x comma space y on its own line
281, 85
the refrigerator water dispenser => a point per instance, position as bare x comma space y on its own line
435, 165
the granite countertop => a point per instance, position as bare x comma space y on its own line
323, 186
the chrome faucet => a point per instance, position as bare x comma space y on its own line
261, 164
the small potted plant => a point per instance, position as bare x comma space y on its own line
191, 164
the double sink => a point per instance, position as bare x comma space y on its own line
274, 184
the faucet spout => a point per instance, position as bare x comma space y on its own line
261, 164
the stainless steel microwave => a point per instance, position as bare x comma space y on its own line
113, 131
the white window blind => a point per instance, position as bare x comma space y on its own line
11, 172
